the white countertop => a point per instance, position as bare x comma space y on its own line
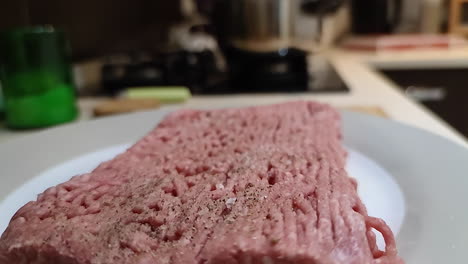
368, 88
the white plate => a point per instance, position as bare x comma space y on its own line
414, 180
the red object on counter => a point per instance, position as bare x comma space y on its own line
402, 42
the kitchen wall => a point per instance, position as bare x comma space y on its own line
97, 27
13, 13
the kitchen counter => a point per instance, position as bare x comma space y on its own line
368, 89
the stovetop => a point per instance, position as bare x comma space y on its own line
198, 71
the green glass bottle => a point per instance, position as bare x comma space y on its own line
1, 101
36, 77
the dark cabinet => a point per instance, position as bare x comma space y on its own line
444, 91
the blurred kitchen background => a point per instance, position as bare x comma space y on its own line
169, 51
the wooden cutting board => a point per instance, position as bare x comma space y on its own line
119, 106
372, 110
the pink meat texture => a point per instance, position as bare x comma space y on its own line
262, 184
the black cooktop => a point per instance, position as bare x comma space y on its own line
287, 71
319, 77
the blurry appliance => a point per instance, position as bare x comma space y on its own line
197, 70
270, 25
458, 19
264, 44
432, 16
283, 70
411, 17
375, 16
192, 59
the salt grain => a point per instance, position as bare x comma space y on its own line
230, 202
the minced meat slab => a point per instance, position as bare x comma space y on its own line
253, 185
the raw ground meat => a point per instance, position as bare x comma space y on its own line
252, 185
